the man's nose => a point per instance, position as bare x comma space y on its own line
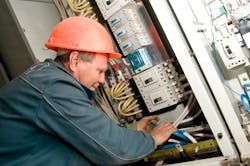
102, 79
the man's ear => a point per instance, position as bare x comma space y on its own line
73, 61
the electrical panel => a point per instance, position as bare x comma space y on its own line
109, 7
129, 28
159, 86
195, 78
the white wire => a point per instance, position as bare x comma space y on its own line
190, 137
191, 118
174, 141
186, 110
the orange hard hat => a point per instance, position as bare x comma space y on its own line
81, 34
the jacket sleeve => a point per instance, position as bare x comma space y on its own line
67, 113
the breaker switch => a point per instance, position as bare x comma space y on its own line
108, 2
229, 51
157, 100
148, 80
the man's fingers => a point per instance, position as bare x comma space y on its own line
166, 127
154, 117
154, 122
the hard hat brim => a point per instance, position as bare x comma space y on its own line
56, 46
115, 55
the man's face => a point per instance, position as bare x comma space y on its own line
92, 74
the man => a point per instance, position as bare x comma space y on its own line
46, 115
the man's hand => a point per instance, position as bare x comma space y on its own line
146, 123
160, 132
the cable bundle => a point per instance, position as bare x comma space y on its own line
61, 8
128, 104
103, 103
82, 8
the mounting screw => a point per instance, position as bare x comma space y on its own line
219, 135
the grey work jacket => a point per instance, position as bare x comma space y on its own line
47, 119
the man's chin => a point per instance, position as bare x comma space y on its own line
93, 88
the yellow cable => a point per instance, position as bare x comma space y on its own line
122, 87
120, 91
73, 6
117, 88
127, 114
125, 92
128, 103
81, 8
86, 12
124, 97
128, 106
130, 109
131, 106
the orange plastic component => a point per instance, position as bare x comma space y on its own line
81, 34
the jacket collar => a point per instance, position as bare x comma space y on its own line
91, 94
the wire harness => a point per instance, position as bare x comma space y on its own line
82, 8
128, 105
